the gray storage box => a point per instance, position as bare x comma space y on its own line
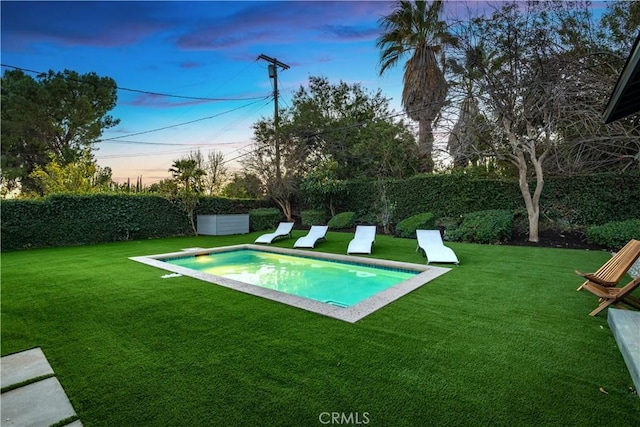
222, 225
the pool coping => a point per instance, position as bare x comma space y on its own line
348, 314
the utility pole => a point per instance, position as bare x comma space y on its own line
273, 74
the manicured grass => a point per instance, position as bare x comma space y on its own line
502, 339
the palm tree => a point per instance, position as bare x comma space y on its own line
187, 174
415, 28
469, 132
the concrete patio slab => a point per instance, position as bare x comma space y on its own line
23, 366
625, 326
39, 404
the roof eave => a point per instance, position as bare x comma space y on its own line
632, 66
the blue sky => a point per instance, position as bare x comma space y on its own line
195, 49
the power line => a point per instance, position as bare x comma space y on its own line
186, 149
226, 83
246, 114
322, 132
184, 123
209, 93
124, 141
146, 92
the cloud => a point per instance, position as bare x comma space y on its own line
214, 40
188, 25
161, 101
251, 23
101, 24
350, 32
190, 64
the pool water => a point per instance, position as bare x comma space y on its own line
338, 283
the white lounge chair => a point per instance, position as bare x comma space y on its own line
430, 242
283, 230
363, 240
317, 232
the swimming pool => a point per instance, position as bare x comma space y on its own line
343, 287
333, 282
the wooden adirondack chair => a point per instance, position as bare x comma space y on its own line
614, 296
613, 270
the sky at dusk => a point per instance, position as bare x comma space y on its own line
195, 49
200, 49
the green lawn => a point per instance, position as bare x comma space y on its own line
502, 339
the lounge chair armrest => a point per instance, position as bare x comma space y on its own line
590, 277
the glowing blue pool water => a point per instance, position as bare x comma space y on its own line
338, 283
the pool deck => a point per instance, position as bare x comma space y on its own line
348, 314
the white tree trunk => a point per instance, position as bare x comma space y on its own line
518, 157
531, 203
285, 205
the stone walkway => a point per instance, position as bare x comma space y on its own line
38, 403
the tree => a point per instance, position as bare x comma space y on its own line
416, 29
330, 123
81, 176
619, 23
470, 129
322, 187
167, 187
352, 127
188, 178
595, 59
385, 209
103, 178
262, 162
216, 172
518, 83
76, 177
467, 132
243, 186
55, 116
541, 96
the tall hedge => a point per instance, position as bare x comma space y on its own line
73, 219
443, 195
592, 199
65, 220
578, 200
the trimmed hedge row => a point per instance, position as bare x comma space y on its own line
74, 219
576, 200
264, 218
66, 220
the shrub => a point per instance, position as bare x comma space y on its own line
490, 226
448, 221
614, 235
313, 217
407, 227
342, 220
264, 219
